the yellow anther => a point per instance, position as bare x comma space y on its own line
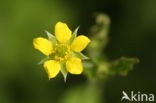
61, 52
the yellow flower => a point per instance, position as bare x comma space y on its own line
63, 51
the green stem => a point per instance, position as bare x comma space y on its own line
94, 91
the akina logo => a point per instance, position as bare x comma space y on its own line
138, 96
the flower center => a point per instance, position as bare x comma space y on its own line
61, 52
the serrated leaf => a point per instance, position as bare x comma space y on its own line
64, 71
43, 60
123, 65
80, 55
51, 37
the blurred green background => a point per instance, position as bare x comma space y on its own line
132, 34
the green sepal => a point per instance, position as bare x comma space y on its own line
80, 55
43, 60
74, 34
51, 37
75, 31
64, 71
123, 65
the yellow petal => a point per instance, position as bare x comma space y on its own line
52, 67
80, 43
74, 66
62, 32
43, 45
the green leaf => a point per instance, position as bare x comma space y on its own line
123, 65
64, 71
43, 60
51, 37
80, 55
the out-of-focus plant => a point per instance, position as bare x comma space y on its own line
98, 68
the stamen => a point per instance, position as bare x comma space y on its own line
61, 52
